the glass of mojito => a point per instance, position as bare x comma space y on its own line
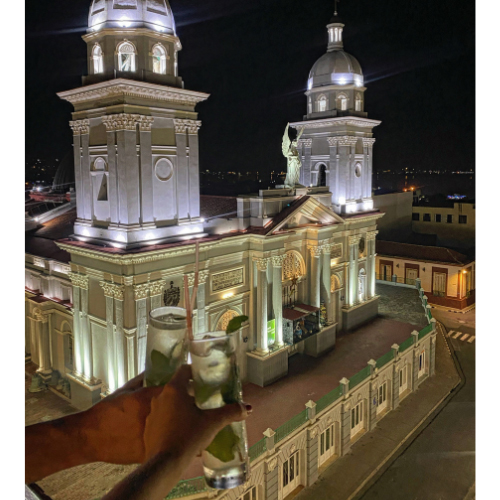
167, 346
217, 383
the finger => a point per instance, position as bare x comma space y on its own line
229, 413
181, 378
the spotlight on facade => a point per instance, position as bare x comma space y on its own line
125, 23
228, 295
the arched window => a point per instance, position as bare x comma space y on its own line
159, 59
359, 102
321, 104
97, 59
126, 57
225, 319
322, 175
342, 102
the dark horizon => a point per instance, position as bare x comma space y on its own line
254, 59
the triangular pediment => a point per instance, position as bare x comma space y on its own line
311, 212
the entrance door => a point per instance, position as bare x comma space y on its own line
439, 284
382, 397
291, 474
411, 276
385, 272
357, 419
403, 379
328, 445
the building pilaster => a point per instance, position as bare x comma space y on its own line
182, 176
371, 263
112, 381
77, 334
111, 147
146, 170
334, 169
305, 171
141, 297
261, 266
353, 269
194, 172
327, 284
315, 252
368, 145
85, 329
277, 262
156, 290
79, 127
43, 340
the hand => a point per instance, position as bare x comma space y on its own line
175, 424
115, 426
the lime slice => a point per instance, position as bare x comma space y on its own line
235, 324
222, 447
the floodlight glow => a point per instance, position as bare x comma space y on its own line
228, 295
342, 200
125, 23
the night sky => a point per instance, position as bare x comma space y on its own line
254, 59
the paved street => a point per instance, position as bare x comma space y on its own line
440, 463
465, 323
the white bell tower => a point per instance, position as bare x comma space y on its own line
135, 130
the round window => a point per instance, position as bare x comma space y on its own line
164, 169
357, 170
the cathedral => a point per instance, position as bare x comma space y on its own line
298, 260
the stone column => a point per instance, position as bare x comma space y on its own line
334, 169
109, 123
141, 297
305, 171
201, 301
146, 171
156, 291
194, 173
327, 284
277, 262
345, 420
79, 127
312, 453
371, 263
112, 381
368, 145
261, 265
43, 341
182, 176
118, 294
353, 269
77, 335
314, 293
85, 329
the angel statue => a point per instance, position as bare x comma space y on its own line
291, 153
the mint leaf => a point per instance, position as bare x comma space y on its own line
222, 447
235, 324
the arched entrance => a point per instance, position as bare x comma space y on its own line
322, 175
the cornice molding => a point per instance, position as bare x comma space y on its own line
130, 88
333, 122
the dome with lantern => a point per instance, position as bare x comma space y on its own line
152, 14
336, 67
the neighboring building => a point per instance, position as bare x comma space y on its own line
447, 277
454, 223
299, 262
397, 209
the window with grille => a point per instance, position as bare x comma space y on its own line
251, 494
421, 364
327, 445
462, 219
382, 397
427, 217
159, 59
321, 104
357, 418
449, 219
438, 217
291, 474
126, 57
403, 379
97, 59
415, 216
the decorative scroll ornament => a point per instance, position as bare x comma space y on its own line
225, 319
314, 432
38, 315
292, 449
292, 155
271, 465
172, 296
292, 267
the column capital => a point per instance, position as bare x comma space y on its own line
315, 250
126, 121
183, 125
277, 260
332, 141
141, 291
203, 276
191, 277
261, 263
80, 127
145, 123
368, 141
371, 235
79, 280
307, 143
156, 287
38, 315
354, 240
112, 290
347, 140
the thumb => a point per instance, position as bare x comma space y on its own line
230, 413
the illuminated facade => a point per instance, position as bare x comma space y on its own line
299, 262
